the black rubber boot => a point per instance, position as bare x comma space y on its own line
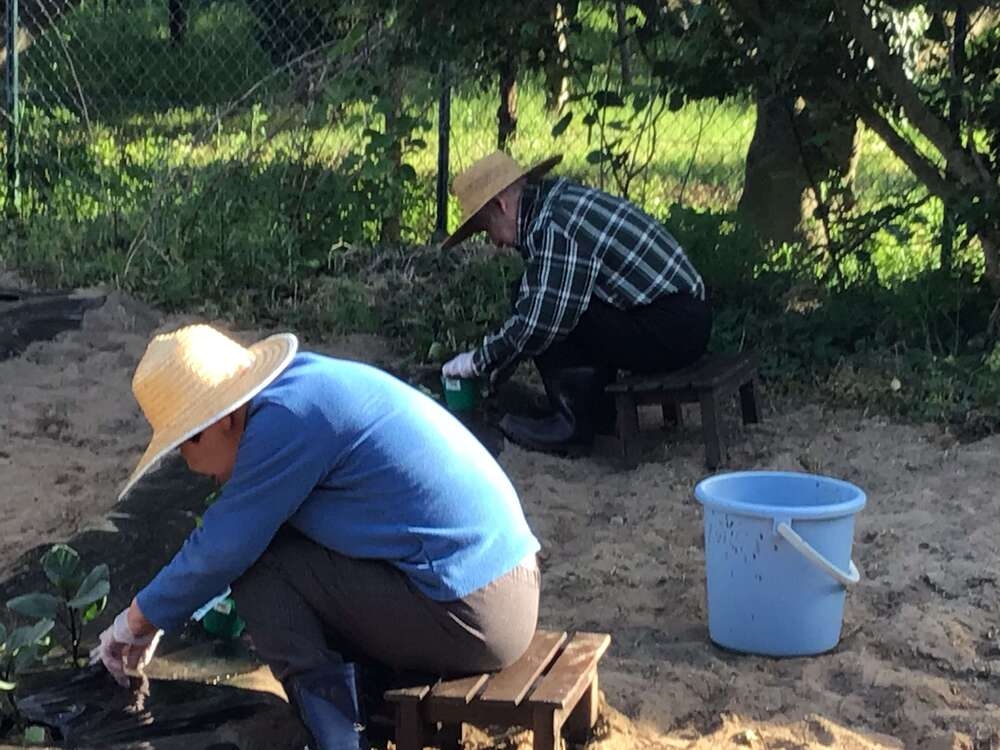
328, 703
575, 394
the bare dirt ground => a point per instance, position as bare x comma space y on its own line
919, 661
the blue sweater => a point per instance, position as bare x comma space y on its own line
365, 465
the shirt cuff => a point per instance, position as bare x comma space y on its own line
480, 361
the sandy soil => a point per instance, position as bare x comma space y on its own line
623, 553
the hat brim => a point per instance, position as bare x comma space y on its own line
468, 227
270, 358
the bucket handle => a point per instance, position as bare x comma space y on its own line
852, 576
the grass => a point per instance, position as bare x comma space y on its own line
145, 99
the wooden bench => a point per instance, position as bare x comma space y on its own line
551, 687
708, 382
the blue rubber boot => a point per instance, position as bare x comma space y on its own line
328, 703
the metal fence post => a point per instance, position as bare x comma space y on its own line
13, 107
444, 136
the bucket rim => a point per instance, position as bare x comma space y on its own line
854, 504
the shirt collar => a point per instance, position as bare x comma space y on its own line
526, 211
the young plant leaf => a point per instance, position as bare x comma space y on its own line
36, 605
25, 657
29, 634
95, 593
90, 613
93, 588
62, 567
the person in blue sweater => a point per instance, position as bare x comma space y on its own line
357, 519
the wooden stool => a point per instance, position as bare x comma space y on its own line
552, 686
707, 382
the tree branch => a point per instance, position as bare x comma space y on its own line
920, 165
890, 72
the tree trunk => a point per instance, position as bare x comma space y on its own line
784, 166
956, 117
392, 220
990, 240
774, 181
178, 20
623, 50
557, 59
444, 153
507, 112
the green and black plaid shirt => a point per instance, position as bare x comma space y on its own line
578, 242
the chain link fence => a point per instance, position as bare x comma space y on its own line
231, 137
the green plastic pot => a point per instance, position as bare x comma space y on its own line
460, 394
222, 620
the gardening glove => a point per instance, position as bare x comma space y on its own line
119, 647
461, 366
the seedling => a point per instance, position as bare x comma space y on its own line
19, 649
77, 599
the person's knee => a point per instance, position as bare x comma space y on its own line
250, 589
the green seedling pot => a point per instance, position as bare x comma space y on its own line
460, 394
222, 620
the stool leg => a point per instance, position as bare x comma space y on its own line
673, 413
748, 402
545, 726
628, 429
450, 737
410, 731
584, 716
710, 427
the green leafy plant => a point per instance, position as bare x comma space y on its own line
210, 498
78, 598
19, 649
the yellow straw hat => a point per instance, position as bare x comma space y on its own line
193, 377
483, 181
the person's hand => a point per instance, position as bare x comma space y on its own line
461, 366
120, 648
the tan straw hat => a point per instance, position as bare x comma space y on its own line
483, 181
193, 377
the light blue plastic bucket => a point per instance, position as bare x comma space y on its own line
778, 559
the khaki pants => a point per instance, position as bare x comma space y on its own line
306, 606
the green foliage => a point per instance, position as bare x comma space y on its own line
265, 211
78, 599
726, 252
422, 296
19, 650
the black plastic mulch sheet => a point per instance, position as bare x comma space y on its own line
88, 709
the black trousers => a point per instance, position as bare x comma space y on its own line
667, 334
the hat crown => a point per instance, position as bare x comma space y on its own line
182, 365
481, 182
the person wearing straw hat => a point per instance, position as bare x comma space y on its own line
358, 520
605, 288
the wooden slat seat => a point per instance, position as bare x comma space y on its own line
551, 687
707, 382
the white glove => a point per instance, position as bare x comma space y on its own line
120, 646
461, 366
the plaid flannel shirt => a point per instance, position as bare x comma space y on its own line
579, 242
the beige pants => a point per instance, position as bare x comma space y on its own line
306, 606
